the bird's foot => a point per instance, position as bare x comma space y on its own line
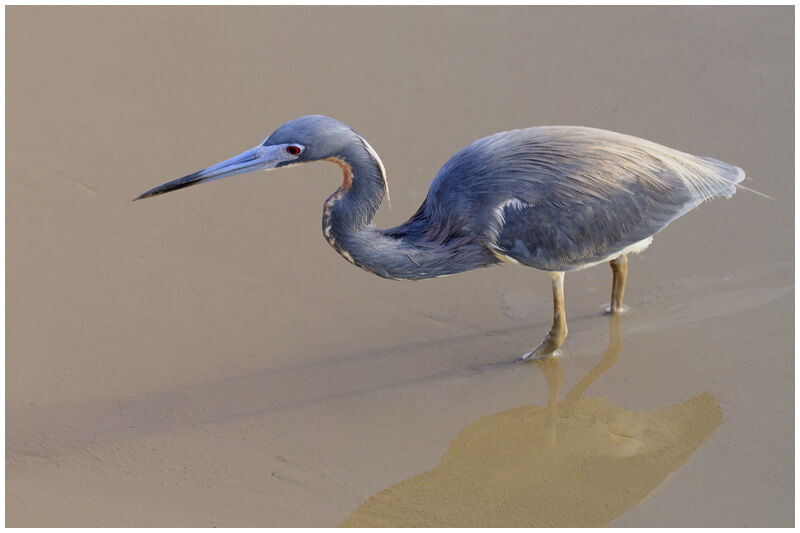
547, 348
534, 356
616, 310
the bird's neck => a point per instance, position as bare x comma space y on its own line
354, 204
347, 226
347, 213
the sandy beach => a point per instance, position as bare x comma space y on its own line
205, 359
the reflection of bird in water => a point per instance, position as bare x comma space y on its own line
577, 462
556, 198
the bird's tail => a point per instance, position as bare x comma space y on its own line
735, 176
727, 177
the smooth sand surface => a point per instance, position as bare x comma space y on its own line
204, 358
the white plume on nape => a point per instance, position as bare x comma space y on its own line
382, 168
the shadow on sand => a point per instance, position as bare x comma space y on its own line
575, 462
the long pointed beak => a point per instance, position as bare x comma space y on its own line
258, 158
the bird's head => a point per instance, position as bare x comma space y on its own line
304, 139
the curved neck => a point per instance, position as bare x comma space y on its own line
396, 254
354, 204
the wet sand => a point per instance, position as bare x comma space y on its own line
204, 358
574, 462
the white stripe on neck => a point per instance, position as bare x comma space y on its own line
382, 168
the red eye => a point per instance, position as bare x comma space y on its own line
293, 150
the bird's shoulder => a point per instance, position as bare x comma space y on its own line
578, 156
564, 165
533, 166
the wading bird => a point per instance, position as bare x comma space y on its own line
555, 198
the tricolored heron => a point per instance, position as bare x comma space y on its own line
556, 198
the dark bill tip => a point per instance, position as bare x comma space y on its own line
180, 183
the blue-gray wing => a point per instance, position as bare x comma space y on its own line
561, 197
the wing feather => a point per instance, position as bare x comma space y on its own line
559, 197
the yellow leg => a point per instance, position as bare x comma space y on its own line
619, 267
555, 337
